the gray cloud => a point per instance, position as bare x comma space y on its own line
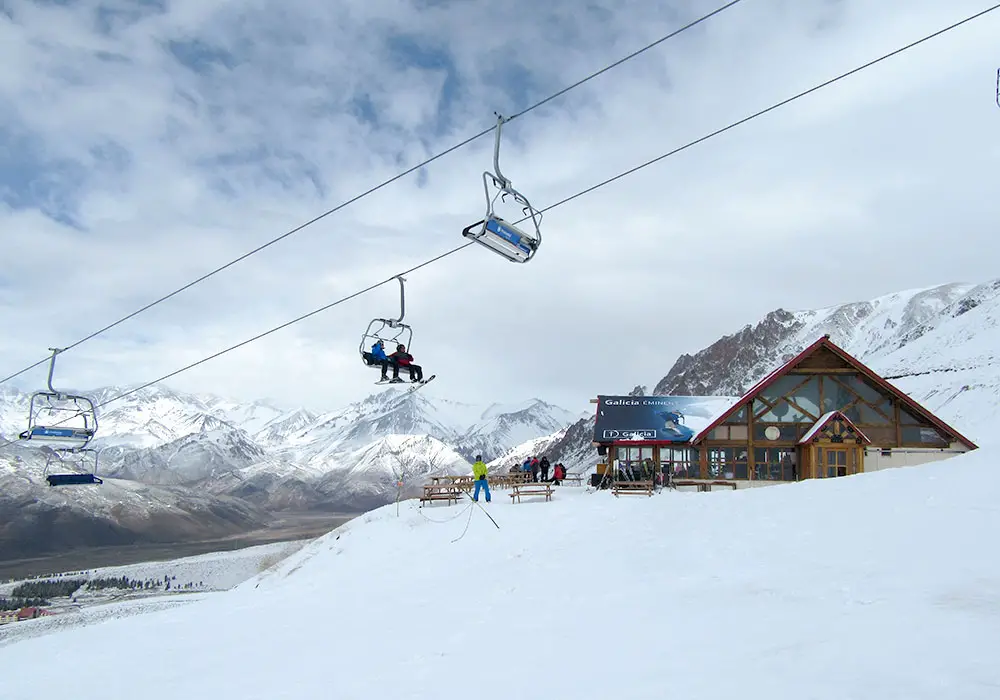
281, 111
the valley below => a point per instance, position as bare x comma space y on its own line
287, 527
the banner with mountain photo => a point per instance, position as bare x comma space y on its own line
656, 418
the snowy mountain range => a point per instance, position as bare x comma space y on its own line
941, 345
244, 461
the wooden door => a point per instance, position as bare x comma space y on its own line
833, 460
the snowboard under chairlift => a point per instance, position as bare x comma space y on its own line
413, 386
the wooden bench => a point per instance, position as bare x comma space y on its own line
575, 478
636, 487
441, 492
531, 490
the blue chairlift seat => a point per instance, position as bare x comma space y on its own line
73, 479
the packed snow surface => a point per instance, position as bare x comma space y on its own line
875, 586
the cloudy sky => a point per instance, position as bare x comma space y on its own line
146, 142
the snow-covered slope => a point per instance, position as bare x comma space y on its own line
867, 329
892, 602
951, 363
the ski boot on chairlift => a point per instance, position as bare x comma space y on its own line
514, 243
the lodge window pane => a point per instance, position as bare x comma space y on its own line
774, 464
854, 413
925, 437
681, 461
784, 412
862, 388
720, 433
881, 436
807, 396
782, 386
738, 432
739, 417
870, 416
728, 463
836, 397
907, 419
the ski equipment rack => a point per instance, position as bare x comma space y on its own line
502, 237
391, 331
55, 404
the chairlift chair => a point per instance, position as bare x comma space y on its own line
50, 411
391, 331
503, 237
77, 469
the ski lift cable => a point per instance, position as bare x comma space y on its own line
381, 185
570, 198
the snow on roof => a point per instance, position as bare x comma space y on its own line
826, 418
817, 426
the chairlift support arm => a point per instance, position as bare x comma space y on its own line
402, 299
503, 182
52, 369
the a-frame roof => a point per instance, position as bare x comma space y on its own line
826, 418
827, 344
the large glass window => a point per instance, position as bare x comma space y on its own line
635, 463
739, 417
682, 462
925, 437
728, 463
775, 464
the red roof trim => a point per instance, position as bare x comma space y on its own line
825, 341
835, 415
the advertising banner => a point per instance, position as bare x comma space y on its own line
656, 418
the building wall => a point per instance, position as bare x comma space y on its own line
876, 459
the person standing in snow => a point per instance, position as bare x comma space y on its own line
534, 469
544, 465
479, 474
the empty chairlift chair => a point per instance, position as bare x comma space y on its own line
514, 243
65, 424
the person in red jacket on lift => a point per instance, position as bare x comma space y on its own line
401, 358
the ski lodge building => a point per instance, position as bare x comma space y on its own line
822, 414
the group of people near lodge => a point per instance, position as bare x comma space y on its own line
539, 469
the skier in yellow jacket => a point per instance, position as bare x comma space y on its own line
479, 473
